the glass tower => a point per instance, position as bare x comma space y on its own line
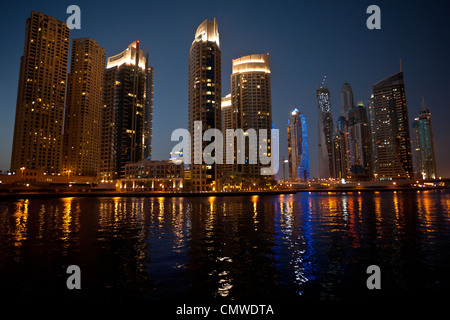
424, 157
124, 127
391, 129
297, 134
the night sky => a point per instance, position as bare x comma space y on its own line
306, 40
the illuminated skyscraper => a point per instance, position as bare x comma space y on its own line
325, 133
148, 122
391, 129
84, 107
424, 157
252, 104
124, 131
38, 128
297, 134
204, 101
227, 113
227, 123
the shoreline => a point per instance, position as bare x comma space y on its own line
94, 193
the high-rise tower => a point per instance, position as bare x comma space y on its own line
359, 142
391, 129
148, 122
424, 156
347, 102
325, 133
204, 101
251, 103
84, 106
124, 132
297, 134
38, 128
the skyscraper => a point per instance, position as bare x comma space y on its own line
372, 135
124, 132
38, 128
227, 123
148, 122
347, 102
360, 151
251, 103
341, 164
424, 157
84, 106
204, 101
325, 133
391, 129
297, 134
227, 113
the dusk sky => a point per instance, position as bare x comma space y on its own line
305, 39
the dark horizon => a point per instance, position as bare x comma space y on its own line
305, 42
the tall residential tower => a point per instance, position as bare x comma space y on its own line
204, 102
84, 106
252, 105
38, 128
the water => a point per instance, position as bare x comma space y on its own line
306, 246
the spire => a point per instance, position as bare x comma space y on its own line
401, 67
323, 81
423, 106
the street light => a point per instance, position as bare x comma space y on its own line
284, 161
22, 169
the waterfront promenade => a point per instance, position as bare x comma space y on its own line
84, 191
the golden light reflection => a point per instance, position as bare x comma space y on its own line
211, 201
161, 209
21, 218
66, 219
254, 200
377, 202
426, 211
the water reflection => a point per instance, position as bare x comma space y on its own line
308, 245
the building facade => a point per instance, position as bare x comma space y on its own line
391, 129
124, 131
298, 155
84, 106
38, 127
150, 175
325, 133
204, 91
423, 142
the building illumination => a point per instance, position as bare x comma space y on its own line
128, 56
252, 63
207, 31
